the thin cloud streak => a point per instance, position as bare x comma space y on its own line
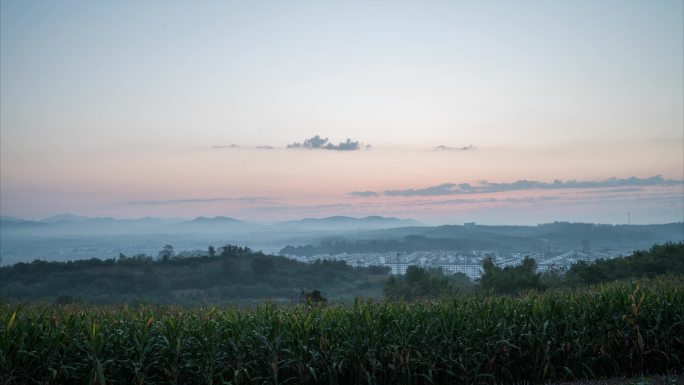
449, 148
616, 190
432, 207
374, 205
313, 143
308, 207
236, 146
186, 201
521, 185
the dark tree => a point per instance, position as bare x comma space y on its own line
166, 253
315, 297
262, 265
510, 279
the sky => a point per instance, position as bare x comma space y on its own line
274, 110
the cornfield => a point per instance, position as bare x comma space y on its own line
614, 330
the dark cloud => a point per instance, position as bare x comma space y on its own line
449, 148
365, 194
488, 187
318, 143
442, 189
618, 190
490, 200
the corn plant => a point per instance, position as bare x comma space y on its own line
612, 330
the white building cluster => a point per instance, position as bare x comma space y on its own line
449, 261
453, 261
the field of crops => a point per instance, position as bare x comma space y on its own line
614, 330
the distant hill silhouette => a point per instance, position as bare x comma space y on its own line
65, 218
558, 236
217, 224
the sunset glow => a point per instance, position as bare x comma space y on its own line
176, 109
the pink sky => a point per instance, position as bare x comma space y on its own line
278, 184
105, 104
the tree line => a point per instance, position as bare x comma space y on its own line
428, 283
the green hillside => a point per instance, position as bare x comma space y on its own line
233, 275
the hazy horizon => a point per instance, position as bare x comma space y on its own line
628, 220
448, 112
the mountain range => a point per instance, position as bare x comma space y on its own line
69, 224
70, 237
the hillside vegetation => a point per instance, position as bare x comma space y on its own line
232, 275
514, 326
557, 236
660, 259
422, 283
239, 275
